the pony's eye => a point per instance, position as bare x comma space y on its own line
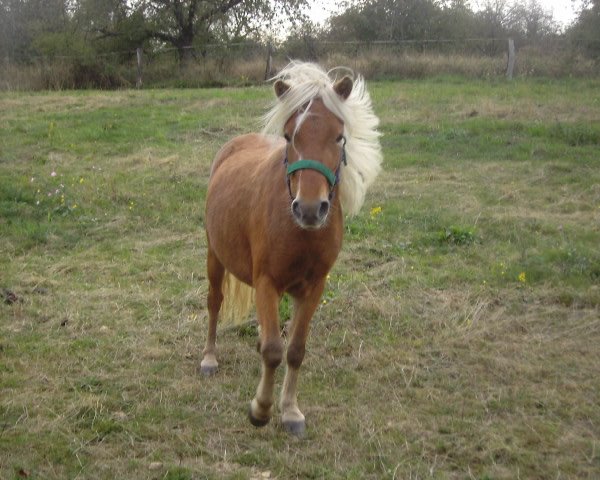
339, 139
287, 137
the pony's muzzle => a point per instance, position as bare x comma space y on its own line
310, 215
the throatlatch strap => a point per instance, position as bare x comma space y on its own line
313, 165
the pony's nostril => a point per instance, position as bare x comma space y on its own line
323, 209
296, 209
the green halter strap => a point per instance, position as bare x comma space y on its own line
313, 165
332, 178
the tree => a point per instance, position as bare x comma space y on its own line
585, 33
538, 22
33, 27
494, 18
356, 22
525, 20
529, 22
457, 20
184, 23
111, 25
387, 20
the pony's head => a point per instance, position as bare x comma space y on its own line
332, 141
315, 152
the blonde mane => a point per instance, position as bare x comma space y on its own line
363, 151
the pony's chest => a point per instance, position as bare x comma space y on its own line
305, 264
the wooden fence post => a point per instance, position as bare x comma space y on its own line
138, 82
269, 67
511, 59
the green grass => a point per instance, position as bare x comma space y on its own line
458, 334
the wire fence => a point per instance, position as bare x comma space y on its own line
245, 63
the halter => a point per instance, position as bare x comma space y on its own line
306, 164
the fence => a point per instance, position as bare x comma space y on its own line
240, 64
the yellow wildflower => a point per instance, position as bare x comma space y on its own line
375, 211
522, 277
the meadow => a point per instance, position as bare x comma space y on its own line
458, 336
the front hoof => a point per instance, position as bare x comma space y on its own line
208, 365
208, 370
297, 428
257, 422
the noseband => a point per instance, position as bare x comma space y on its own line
306, 164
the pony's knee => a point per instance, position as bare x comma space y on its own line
272, 352
215, 298
295, 355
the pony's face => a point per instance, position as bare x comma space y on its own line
314, 133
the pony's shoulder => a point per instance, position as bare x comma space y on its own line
256, 145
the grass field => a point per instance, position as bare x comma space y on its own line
458, 336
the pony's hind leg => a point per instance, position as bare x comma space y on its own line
215, 272
291, 416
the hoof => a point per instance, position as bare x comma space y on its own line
257, 422
297, 429
208, 370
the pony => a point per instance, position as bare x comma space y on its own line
275, 210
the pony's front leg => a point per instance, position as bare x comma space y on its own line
271, 350
291, 416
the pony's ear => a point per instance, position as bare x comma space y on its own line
343, 87
280, 88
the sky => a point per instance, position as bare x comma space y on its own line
564, 11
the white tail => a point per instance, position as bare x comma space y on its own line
238, 299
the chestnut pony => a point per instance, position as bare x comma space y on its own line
274, 217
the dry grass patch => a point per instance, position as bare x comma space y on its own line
458, 332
